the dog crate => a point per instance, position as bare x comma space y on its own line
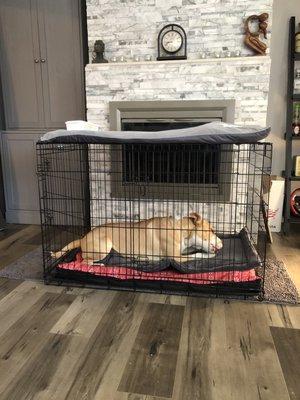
184, 218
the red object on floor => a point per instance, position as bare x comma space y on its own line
123, 273
295, 203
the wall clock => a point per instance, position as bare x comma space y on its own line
172, 43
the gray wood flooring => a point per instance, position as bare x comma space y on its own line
58, 343
87, 344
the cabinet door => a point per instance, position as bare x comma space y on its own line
62, 62
20, 66
20, 179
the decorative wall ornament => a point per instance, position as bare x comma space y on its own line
252, 39
98, 52
172, 43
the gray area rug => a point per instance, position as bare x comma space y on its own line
279, 287
29, 266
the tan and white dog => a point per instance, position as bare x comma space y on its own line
150, 240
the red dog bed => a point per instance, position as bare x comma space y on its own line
124, 273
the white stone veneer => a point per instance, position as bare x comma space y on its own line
244, 79
130, 27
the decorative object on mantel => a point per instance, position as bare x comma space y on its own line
172, 43
252, 39
98, 53
221, 54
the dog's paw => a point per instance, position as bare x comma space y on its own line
201, 256
56, 254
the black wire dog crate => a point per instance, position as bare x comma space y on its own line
163, 217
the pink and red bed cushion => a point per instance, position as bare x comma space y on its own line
124, 273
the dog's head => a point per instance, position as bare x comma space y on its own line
201, 235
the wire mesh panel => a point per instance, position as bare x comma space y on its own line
178, 218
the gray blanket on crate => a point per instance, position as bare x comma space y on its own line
216, 132
237, 254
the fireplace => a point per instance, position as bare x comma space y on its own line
124, 115
140, 168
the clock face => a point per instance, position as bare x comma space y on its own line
172, 41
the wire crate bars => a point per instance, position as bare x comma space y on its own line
169, 218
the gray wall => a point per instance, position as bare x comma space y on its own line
282, 11
2, 198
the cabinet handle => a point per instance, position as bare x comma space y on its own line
43, 60
36, 60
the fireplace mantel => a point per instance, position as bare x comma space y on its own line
260, 59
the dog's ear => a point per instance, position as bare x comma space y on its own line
196, 218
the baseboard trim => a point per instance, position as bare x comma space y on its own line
22, 217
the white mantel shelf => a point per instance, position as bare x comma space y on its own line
250, 59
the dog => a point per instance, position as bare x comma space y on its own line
149, 240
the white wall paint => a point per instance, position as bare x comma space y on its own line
282, 11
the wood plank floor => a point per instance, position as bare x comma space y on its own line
88, 344
58, 343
